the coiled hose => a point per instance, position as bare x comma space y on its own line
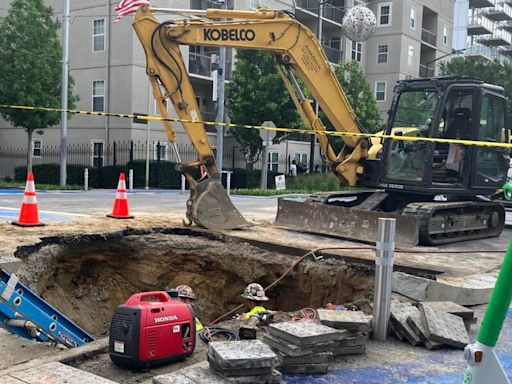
207, 334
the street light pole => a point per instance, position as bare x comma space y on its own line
64, 95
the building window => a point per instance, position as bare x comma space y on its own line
164, 146
254, 4
97, 153
382, 53
357, 49
413, 18
273, 161
445, 35
301, 159
98, 35
380, 90
36, 148
410, 55
384, 17
98, 96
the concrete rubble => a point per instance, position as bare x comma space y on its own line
467, 290
432, 324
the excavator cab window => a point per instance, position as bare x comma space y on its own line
414, 114
456, 123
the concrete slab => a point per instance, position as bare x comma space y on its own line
353, 341
242, 355
451, 307
202, 374
416, 324
444, 327
305, 368
294, 350
344, 351
399, 314
351, 320
9, 263
317, 358
466, 290
236, 372
58, 373
305, 333
396, 332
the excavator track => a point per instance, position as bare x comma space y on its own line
451, 222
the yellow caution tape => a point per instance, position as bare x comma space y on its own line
277, 129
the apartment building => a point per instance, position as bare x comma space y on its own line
410, 38
484, 28
108, 66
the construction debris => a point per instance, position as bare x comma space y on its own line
308, 347
467, 290
399, 314
444, 327
432, 324
350, 320
201, 373
241, 358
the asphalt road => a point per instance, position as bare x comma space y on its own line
70, 205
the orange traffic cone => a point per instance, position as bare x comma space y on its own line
29, 214
120, 210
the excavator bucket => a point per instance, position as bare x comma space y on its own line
348, 223
210, 206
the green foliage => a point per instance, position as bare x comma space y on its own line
360, 96
315, 182
30, 68
492, 72
256, 94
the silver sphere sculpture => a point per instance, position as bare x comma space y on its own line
359, 23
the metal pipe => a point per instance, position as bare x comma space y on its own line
130, 180
20, 323
385, 248
64, 95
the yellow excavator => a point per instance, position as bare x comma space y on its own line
438, 192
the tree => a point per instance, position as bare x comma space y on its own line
360, 96
256, 94
30, 67
492, 72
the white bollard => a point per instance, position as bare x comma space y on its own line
385, 249
228, 182
130, 180
86, 179
183, 184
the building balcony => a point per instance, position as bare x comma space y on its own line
204, 4
500, 37
500, 12
479, 25
506, 25
199, 64
486, 53
426, 71
329, 11
428, 37
333, 55
480, 3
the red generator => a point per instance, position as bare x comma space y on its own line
152, 328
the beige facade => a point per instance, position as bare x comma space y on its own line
108, 64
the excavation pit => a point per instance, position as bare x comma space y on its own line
86, 277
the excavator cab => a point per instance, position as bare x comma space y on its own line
451, 108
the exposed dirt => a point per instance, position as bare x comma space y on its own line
86, 277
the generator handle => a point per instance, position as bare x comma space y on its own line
138, 298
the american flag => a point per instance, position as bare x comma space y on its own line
128, 7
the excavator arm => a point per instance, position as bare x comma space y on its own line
297, 51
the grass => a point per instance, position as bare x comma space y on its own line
304, 183
46, 187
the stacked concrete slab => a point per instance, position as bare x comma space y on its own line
355, 326
309, 347
246, 361
432, 324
